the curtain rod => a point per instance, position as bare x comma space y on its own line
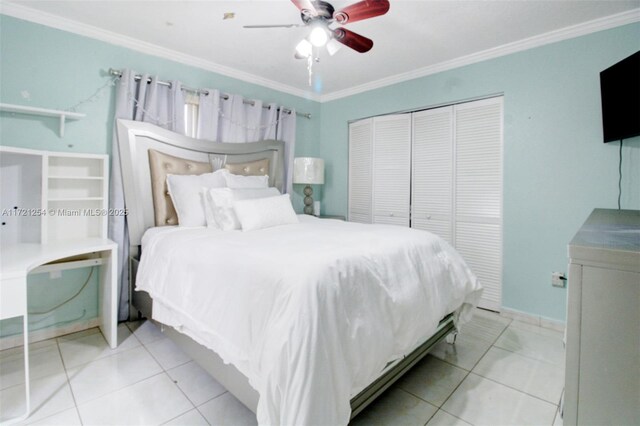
118, 73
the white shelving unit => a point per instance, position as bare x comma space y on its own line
53, 219
58, 196
43, 112
76, 194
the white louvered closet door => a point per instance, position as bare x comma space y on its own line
478, 193
360, 171
391, 169
432, 172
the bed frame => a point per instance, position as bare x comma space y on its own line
134, 141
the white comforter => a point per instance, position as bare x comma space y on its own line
310, 312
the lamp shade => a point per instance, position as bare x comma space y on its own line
308, 170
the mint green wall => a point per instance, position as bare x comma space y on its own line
556, 168
59, 69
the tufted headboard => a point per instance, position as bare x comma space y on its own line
148, 153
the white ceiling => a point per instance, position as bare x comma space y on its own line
412, 37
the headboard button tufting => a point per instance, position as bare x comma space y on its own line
261, 169
246, 169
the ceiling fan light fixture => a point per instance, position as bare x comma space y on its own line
318, 37
304, 48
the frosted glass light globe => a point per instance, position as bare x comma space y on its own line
304, 48
318, 37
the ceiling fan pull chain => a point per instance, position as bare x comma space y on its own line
310, 67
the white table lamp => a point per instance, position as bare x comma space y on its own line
309, 171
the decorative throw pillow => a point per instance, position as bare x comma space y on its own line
240, 181
186, 194
160, 165
219, 208
265, 212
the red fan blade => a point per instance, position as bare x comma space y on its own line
305, 6
362, 10
350, 39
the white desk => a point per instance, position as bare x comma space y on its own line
17, 260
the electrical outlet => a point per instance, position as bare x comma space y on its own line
558, 279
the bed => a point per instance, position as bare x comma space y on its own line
305, 323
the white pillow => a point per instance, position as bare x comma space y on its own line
186, 194
240, 181
265, 212
219, 209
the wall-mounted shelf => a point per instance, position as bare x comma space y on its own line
62, 115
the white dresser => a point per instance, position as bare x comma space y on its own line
602, 378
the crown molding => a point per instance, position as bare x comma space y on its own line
600, 24
54, 21
75, 27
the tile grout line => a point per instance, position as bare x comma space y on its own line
68, 382
207, 401
423, 400
101, 357
66, 374
462, 420
122, 388
512, 388
469, 371
158, 361
525, 356
483, 354
33, 378
494, 381
215, 397
119, 389
175, 383
196, 407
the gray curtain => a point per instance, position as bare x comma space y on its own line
231, 120
141, 101
235, 121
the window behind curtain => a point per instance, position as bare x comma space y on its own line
191, 106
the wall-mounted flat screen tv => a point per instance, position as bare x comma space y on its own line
620, 93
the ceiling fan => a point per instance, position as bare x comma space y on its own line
320, 15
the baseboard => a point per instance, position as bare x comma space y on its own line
47, 333
533, 319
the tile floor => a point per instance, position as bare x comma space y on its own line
499, 372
